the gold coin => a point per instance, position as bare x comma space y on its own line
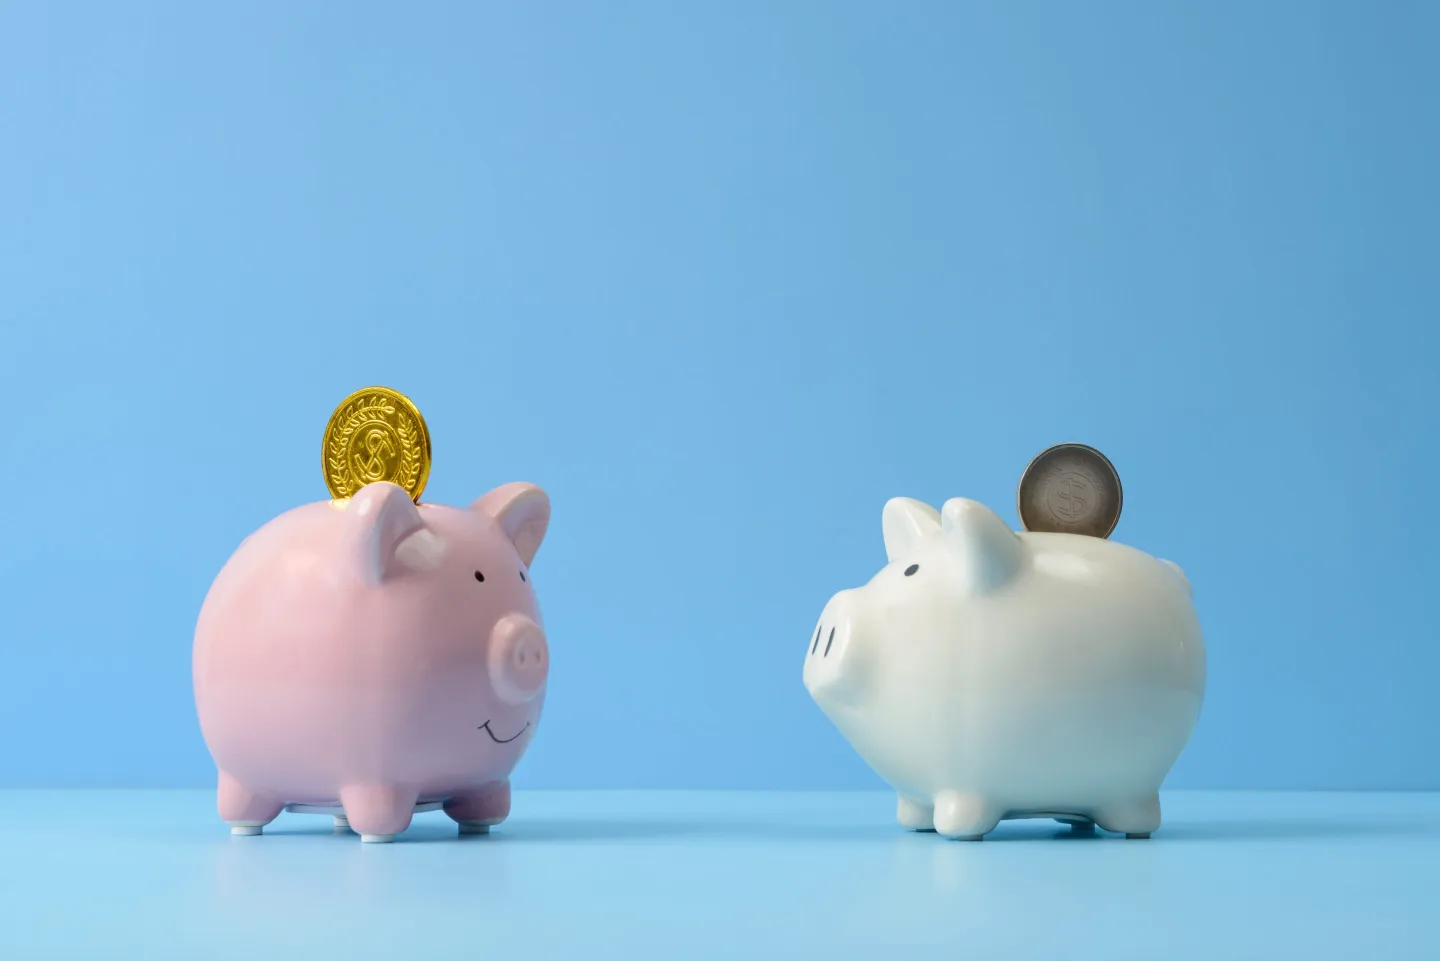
376, 434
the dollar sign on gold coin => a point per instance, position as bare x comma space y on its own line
376, 434
373, 463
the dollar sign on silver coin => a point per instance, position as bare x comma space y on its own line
1070, 489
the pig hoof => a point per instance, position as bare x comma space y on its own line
1137, 818
377, 838
239, 806
1138, 836
377, 812
474, 827
487, 805
965, 816
1078, 825
914, 816
342, 823
241, 830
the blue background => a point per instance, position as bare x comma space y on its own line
723, 277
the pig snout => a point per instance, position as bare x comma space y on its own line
830, 669
519, 658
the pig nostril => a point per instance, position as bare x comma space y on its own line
816, 643
828, 642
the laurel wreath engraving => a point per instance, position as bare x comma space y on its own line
351, 418
409, 451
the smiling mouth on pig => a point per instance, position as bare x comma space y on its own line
503, 740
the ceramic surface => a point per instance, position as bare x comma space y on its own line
987, 674
370, 656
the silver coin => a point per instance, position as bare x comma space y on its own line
1070, 489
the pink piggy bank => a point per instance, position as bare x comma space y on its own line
372, 658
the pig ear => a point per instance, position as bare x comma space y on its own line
986, 545
381, 517
523, 512
906, 522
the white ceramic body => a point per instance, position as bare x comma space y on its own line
1011, 675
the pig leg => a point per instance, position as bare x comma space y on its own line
378, 812
915, 816
246, 812
968, 817
475, 811
1134, 820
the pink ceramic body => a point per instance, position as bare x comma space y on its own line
348, 655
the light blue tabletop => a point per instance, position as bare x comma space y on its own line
678, 875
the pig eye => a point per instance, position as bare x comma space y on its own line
480, 577
522, 575
911, 569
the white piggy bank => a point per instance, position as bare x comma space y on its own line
986, 674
